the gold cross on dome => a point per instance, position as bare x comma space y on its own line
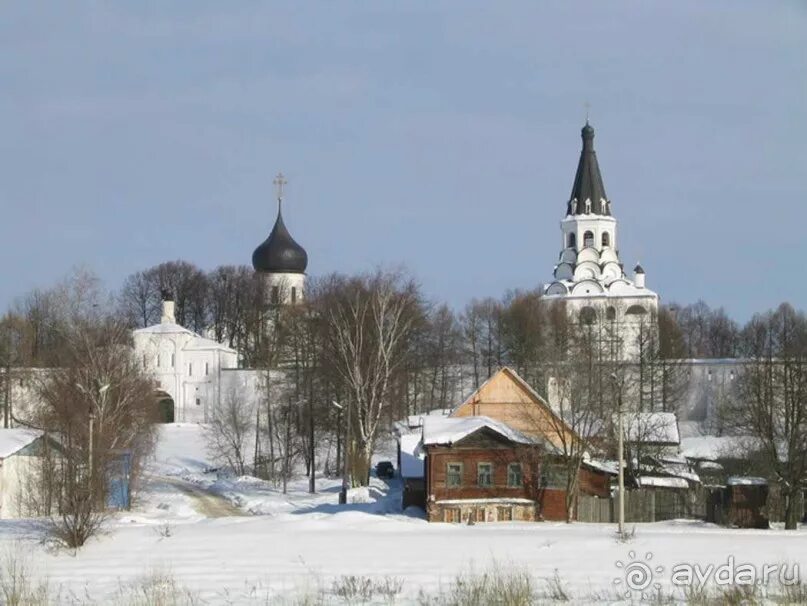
587, 105
279, 182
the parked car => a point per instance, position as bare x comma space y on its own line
385, 469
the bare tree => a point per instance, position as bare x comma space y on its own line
578, 365
139, 299
369, 341
772, 403
99, 404
230, 432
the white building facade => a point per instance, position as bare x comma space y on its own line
187, 368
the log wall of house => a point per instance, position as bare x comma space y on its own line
438, 459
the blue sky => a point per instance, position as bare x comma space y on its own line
443, 136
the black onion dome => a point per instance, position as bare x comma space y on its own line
279, 253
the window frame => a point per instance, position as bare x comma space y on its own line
450, 485
510, 467
479, 466
452, 515
504, 509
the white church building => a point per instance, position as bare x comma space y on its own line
187, 367
193, 373
589, 276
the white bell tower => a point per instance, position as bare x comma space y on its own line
589, 276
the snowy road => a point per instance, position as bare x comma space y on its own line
204, 502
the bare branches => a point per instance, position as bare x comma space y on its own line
370, 340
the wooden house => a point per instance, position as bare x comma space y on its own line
498, 456
476, 469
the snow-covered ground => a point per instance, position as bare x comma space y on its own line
299, 541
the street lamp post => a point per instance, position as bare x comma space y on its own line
97, 399
338, 408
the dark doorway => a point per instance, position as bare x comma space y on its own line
165, 408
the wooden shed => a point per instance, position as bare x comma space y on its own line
746, 500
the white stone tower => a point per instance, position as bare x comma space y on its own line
589, 276
280, 261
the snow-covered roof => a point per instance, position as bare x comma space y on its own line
746, 481
201, 343
195, 343
662, 482
14, 440
417, 420
447, 430
712, 448
164, 328
412, 456
652, 427
610, 467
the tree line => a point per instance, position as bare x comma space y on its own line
361, 351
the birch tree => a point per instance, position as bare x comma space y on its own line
370, 339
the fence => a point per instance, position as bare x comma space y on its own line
646, 505
656, 504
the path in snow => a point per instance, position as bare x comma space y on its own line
203, 501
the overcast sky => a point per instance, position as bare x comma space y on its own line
443, 136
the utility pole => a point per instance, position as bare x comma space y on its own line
345, 454
312, 487
621, 448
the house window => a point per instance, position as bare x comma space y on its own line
207, 368
553, 476
504, 514
610, 313
158, 361
484, 474
451, 514
588, 239
275, 295
514, 478
190, 369
294, 294
198, 401
144, 362
572, 241
453, 475
478, 514
606, 239
173, 360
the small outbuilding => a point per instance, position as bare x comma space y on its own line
746, 500
21, 452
